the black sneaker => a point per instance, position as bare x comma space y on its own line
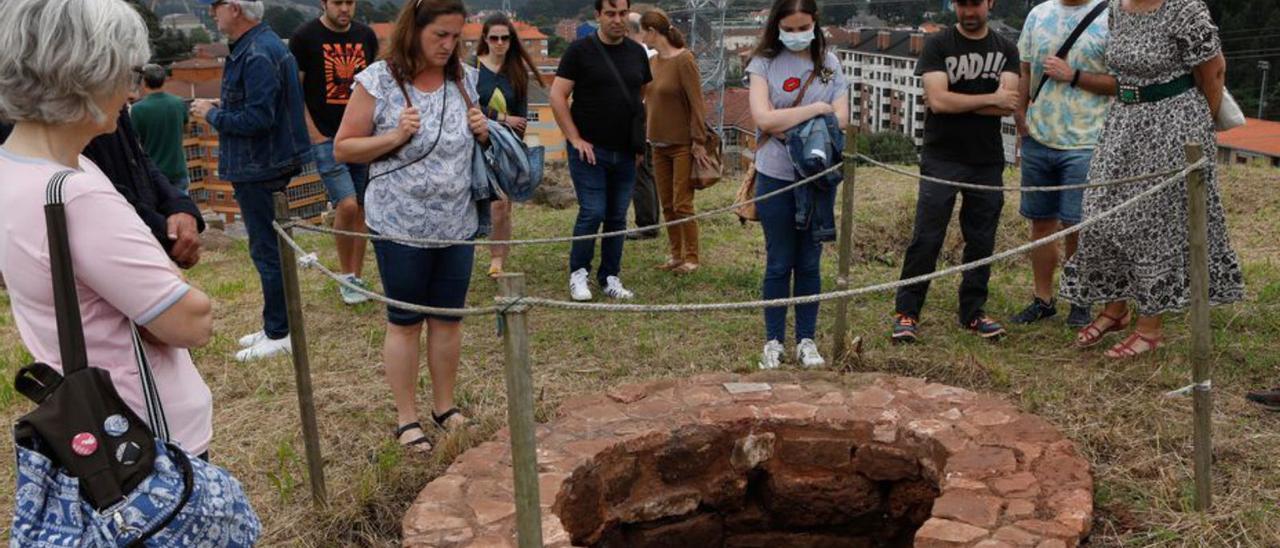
905, 329
1039, 310
1267, 399
1080, 316
986, 327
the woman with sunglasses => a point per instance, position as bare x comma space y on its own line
506, 71
415, 191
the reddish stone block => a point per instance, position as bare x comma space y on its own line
941, 533
1047, 528
629, 393
819, 500
691, 452
752, 450
1019, 509
872, 396
580, 505
982, 462
791, 411
730, 414
973, 509
813, 452
666, 504
618, 472
699, 396
1016, 537
885, 463
651, 408
704, 530
1014, 483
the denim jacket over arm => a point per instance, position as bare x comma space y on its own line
261, 130
814, 146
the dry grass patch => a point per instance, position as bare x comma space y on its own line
1139, 443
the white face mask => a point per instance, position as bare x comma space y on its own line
796, 41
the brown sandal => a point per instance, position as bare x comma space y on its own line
1124, 349
670, 265
1091, 335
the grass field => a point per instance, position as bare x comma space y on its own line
1138, 442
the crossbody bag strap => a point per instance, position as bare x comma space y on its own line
150, 392
626, 93
1071, 42
799, 97
66, 304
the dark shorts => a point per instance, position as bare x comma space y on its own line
437, 277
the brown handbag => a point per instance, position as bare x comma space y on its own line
747, 190
706, 176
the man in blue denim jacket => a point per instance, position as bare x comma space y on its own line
264, 144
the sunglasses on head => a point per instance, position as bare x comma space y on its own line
217, 3
499, 38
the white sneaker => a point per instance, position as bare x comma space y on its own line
771, 358
252, 339
613, 288
807, 354
265, 348
578, 288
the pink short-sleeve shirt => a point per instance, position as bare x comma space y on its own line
122, 275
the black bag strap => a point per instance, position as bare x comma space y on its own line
66, 304
1071, 41
626, 93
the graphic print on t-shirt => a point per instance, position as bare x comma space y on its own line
341, 63
975, 66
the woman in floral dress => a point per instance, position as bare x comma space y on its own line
1168, 59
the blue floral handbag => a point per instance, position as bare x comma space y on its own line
91, 472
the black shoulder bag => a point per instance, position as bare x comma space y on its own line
80, 422
1071, 42
638, 119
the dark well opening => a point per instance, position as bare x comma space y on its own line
748, 486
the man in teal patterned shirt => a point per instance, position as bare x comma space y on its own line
1059, 122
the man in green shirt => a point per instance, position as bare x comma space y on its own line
160, 119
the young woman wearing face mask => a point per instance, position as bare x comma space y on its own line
783, 96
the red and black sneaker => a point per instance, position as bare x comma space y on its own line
906, 329
986, 327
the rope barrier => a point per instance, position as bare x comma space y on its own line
989, 188
566, 239
707, 307
308, 260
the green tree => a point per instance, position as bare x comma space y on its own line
556, 45
890, 146
200, 36
284, 20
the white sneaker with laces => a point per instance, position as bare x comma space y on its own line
613, 288
265, 348
252, 339
578, 287
807, 354
771, 358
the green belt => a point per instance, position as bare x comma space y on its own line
1132, 95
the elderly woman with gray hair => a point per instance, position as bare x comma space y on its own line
66, 69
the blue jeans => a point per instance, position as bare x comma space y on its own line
604, 194
257, 208
1044, 166
182, 184
793, 260
341, 181
438, 277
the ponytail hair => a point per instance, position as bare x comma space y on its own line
657, 20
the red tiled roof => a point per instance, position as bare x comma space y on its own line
1258, 136
215, 50
382, 30
737, 109
197, 63
194, 90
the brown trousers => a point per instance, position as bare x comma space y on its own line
672, 171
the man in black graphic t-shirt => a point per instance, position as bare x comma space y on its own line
970, 79
330, 51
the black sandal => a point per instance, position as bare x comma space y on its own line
415, 444
443, 418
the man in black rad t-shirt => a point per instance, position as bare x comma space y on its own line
597, 127
970, 78
330, 51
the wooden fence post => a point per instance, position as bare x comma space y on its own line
840, 331
301, 362
524, 454
1201, 336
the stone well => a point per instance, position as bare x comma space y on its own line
776, 460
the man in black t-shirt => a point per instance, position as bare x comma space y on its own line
970, 76
330, 51
597, 127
